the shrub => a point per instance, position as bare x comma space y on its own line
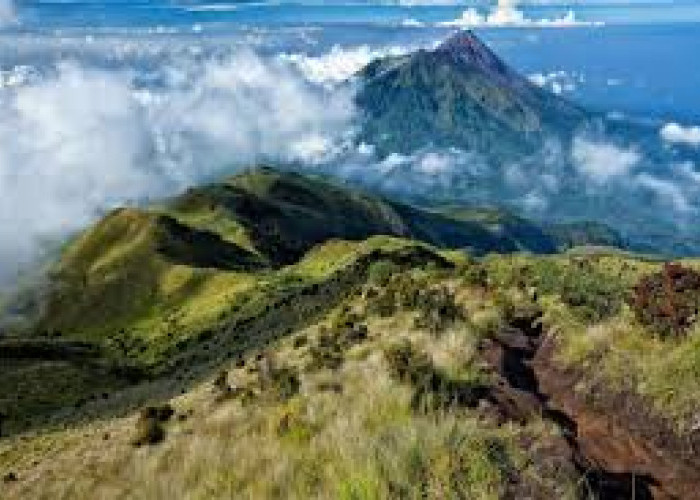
436, 306
285, 383
221, 382
328, 350
279, 383
10, 477
383, 304
406, 365
222, 389
668, 301
437, 310
433, 389
149, 427
476, 275
522, 314
380, 272
591, 294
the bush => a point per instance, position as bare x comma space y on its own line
436, 306
328, 350
221, 382
668, 301
437, 310
149, 427
475, 275
433, 389
381, 272
280, 383
10, 477
286, 383
591, 295
222, 389
522, 314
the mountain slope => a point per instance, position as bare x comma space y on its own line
137, 264
402, 371
284, 215
177, 285
455, 125
458, 95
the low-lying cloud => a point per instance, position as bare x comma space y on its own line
79, 140
666, 190
602, 161
339, 64
557, 82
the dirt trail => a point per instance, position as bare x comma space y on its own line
615, 461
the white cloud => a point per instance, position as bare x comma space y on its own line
78, 141
602, 161
412, 23
534, 202
687, 169
674, 133
435, 163
667, 191
558, 82
505, 14
339, 64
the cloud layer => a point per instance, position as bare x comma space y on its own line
79, 140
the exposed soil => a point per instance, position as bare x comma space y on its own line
620, 454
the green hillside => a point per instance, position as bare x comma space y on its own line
402, 373
184, 352
169, 270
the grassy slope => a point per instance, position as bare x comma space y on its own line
615, 348
350, 432
359, 441
170, 271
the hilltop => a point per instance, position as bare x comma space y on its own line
138, 266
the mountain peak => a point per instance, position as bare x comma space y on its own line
460, 39
468, 49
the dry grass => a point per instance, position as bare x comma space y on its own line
350, 433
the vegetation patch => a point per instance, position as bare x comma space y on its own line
435, 305
433, 389
591, 294
149, 426
668, 301
328, 349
